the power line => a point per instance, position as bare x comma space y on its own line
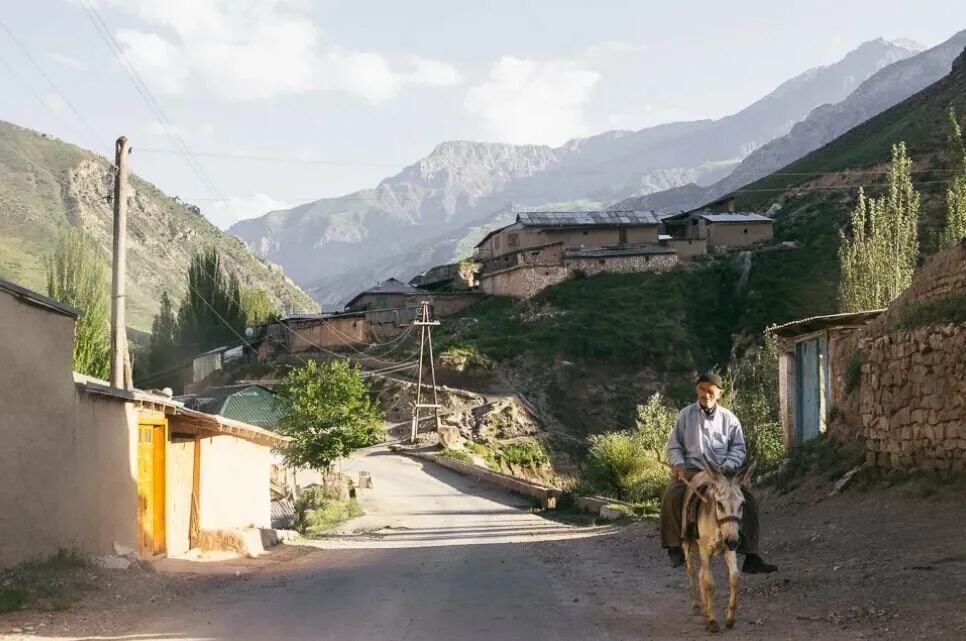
108, 38
51, 83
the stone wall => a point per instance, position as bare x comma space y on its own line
909, 404
523, 281
622, 264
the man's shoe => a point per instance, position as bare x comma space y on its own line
676, 557
754, 564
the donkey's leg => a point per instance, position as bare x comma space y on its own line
690, 554
731, 559
707, 589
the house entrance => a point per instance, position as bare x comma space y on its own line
152, 436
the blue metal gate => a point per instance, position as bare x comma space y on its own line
808, 392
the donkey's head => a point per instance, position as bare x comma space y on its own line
727, 502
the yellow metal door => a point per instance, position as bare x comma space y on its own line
152, 436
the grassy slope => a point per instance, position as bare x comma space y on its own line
35, 203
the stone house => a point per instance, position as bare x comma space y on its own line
541, 249
452, 277
87, 466
805, 371
571, 229
395, 294
720, 230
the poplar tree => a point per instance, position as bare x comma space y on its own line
955, 228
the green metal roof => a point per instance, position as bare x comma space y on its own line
253, 404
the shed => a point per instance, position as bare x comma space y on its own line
805, 371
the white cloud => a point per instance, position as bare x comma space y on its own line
528, 101
224, 213
67, 61
55, 102
259, 49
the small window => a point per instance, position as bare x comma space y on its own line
513, 240
585, 233
382, 303
746, 230
602, 261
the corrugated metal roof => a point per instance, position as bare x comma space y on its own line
818, 323
252, 404
585, 218
737, 217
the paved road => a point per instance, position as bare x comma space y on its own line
437, 557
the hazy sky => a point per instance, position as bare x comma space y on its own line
354, 91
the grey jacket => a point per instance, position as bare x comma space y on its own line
718, 437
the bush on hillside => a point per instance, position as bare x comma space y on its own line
655, 421
619, 464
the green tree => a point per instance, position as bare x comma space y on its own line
955, 228
77, 276
164, 352
328, 412
880, 257
655, 420
751, 392
211, 313
258, 306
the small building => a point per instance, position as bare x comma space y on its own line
806, 371
89, 466
719, 229
452, 277
620, 259
571, 229
394, 294
250, 403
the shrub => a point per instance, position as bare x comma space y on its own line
463, 357
315, 514
853, 373
655, 421
619, 465
457, 455
948, 309
527, 454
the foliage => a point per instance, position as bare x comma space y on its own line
463, 357
315, 514
258, 306
618, 464
751, 393
456, 455
524, 454
164, 353
77, 276
879, 259
947, 309
655, 421
955, 229
328, 412
211, 313
853, 373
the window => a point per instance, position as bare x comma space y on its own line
513, 240
602, 261
622, 235
746, 230
381, 303
496, 242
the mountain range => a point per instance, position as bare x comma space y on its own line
430, 211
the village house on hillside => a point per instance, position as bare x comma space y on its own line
98, 468
717, 230
452, 277
395, 294
541, 249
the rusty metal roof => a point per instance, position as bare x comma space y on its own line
818, 323
585, 218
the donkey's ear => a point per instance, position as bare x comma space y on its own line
744, 478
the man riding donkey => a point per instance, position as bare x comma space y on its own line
705, 431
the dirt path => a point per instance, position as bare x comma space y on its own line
439, 557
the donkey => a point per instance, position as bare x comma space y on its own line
718, 521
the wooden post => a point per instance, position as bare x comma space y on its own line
119, 356
425, 338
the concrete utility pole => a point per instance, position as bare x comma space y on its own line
425, 339
120, 370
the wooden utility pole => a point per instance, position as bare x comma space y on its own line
120, 371
425, 340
